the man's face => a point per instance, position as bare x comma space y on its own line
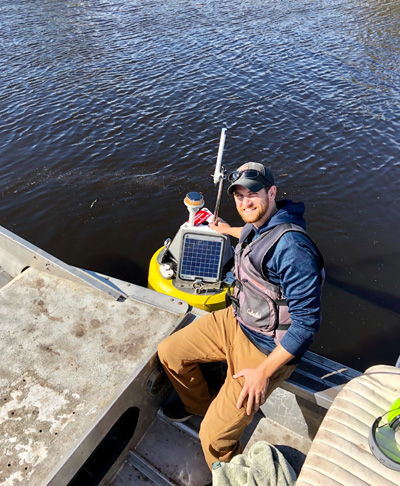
253, 207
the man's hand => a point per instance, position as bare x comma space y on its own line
257, 379
224, 228
221, 226
255, 389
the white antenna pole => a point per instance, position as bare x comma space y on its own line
218, 174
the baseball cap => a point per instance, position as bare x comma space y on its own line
253, 176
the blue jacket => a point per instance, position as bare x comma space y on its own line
294, 265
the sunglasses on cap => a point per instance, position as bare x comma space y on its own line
247, 174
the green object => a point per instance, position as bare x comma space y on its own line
394, 410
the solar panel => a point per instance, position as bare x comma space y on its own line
201, 257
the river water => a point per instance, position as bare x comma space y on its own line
111, 110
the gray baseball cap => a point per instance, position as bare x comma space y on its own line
253, 176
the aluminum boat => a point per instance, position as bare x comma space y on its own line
81, 385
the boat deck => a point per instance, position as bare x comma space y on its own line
4, 278
170, 453
71, 359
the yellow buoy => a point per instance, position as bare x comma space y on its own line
210, 301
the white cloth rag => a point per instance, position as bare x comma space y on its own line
264, 465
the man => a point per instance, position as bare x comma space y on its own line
274, 315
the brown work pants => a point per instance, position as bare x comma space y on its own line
214, 337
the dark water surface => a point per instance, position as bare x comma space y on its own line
111, 110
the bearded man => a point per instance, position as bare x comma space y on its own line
274, 314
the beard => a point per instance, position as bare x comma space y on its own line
257, 213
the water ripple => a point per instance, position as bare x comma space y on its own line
123, 102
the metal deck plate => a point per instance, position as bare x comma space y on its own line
68, 352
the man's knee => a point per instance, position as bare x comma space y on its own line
165, 350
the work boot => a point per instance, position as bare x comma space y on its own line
173, 409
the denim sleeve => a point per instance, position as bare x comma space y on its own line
295, 264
